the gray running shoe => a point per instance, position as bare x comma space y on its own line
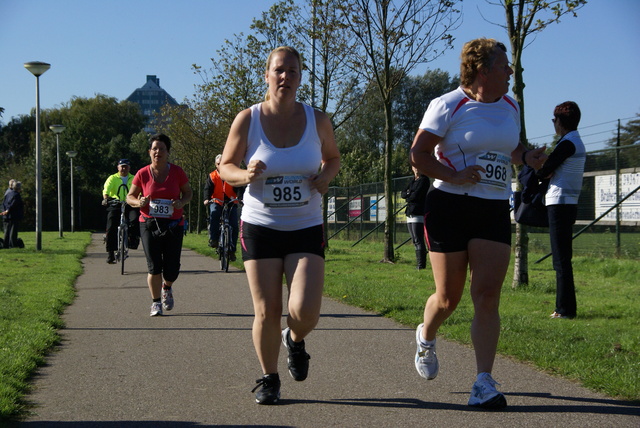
167, 299
426, 359
484, 393
156, 309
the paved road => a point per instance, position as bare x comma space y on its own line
118, 367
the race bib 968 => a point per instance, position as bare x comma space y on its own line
497, 167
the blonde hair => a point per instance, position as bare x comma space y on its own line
478, 54
287, 49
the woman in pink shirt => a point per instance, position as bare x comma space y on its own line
161, 190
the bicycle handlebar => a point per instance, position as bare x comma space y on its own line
115, 201
230, 201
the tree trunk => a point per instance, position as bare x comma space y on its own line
521, 249
521, 263
390, 218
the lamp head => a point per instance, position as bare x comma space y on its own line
57, 128
37, 68
72, 153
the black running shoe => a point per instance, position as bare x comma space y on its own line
269, 392
298, 358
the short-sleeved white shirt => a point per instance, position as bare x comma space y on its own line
475, 133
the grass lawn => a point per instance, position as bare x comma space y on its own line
35, 287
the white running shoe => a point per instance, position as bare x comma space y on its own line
426, 359
156, 309
484, 393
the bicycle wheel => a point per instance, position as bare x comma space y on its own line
122, 247
224, 248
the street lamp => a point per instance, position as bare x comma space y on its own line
38, 68
72, 154
57, 129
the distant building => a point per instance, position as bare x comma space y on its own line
151, 97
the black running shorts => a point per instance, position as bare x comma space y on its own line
259, 242
451, 221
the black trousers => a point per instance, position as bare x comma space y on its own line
561, 220
113, 221
11, 233
416, 230
162, 248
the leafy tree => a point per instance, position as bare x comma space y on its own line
629, 134
326, 41
235, 80
361, 138
276, 28
393, 38
197, 138
412, 99
525, 18
627, 139
100, 129
15, 140
360, 141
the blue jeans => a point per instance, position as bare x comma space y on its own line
561, 221
215, 212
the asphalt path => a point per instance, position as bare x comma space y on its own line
195, 367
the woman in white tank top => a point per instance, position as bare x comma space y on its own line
291, 157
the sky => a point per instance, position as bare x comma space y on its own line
109, 47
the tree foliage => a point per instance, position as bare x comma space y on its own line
525, 18
629, 134
361, 137
197, 138
100, 129
393, 38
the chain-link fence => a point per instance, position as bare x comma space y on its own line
608, 222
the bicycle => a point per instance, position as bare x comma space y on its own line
122, 252
225, 245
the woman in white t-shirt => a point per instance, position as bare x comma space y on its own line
467, 141
291, 157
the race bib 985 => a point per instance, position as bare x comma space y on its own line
286, 191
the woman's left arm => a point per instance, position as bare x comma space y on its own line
330, 154
534, 158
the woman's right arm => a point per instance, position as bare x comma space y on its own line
234, 151
421, 156
134, 199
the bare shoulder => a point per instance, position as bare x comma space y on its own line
323, 122
321, 117
243, 118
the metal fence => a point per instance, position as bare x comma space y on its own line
608, 220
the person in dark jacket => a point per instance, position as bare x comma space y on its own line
415, 194
564, 168
12, 213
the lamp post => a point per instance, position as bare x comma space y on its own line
57, 129
72, 154
38, 68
